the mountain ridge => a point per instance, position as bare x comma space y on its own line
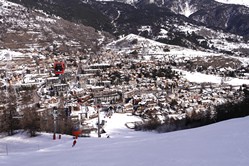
100, 14
156, 23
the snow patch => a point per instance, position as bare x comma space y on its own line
186, 9
7, 55
201, 78
237, 2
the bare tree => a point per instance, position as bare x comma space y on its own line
30, 121
27, 97
46, 121
64, 123
9, 122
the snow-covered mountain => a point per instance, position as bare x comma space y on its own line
157, 23
108, 15
26, 28
185, 7
238, 2
229, 17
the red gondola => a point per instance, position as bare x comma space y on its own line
59, 68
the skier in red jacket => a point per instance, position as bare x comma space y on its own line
74, 142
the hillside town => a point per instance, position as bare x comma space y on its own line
82, 85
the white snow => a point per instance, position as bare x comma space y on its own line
7, 55
238, 2
225, 143
152, 47
124, 1
186, 9
201, 78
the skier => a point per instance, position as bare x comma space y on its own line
74, 142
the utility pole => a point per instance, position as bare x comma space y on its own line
55, 115
97, 107
98, 122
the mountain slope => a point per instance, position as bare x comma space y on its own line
224, 143
229, 17
232, 18
184, 7
26, 28
74, 10
159, 23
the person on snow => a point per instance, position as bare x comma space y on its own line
74, 142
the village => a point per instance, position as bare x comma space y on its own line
149, 88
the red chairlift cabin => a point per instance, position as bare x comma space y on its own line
59, 68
